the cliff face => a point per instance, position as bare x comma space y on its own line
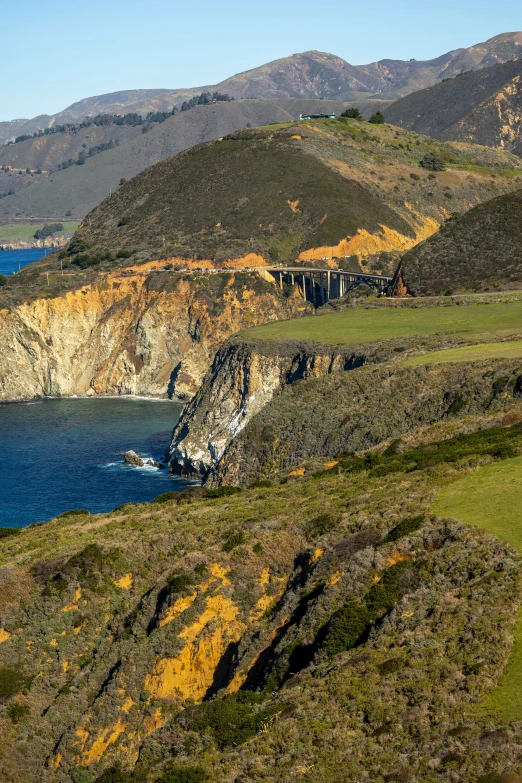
244, 377
133, 333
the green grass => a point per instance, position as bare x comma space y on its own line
355, 326
12, 231
469, 353
490, 498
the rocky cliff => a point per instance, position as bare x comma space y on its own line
131, 332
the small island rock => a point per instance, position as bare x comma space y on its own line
131, 458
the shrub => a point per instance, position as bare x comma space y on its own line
320, 525
345, 627
383, 595
166, 497
257, 549
220, 492
3, 280
352, 113
178, 773
377, 118
433, 162
17, 712
261, 484
74, 512
9, 531
391, 665
116, 774
408, 525
232, 720
11, 681
233, 540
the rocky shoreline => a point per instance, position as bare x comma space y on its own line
54, 242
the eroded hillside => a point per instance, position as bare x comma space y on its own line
329, 628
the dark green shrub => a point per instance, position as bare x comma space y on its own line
5, 532
220, 492
177, 773
392, 665
11, 681
433, 162
166, 497
320, 525
74, 512
406, 526
17, 712
345, 627
3, 280
180, 582
233, 540
383, 595
261, 484
377, 118
458, 404
352, 113
116, 774
257, 549
233, 719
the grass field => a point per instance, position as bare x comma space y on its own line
469, 353
356, 326
491, 498
12, 231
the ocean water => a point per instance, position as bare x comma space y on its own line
13, 260
60, 454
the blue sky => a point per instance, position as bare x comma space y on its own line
56, 52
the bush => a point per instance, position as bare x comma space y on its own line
377, 118
408, 525
345, 627
166, 497
233, 540
433, 162
320, 525
17, 712
48, 230
220, 492
391, 665
3, 280
74, 512
11, 681
352, 113
232, 720
177, 773
9, 531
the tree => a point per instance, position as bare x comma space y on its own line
433, 162
377, 118
353, 113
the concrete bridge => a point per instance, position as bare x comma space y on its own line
321, 285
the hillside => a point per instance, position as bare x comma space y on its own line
482, 107
309, 74
480, 250
81, 187
325, 627
307, 190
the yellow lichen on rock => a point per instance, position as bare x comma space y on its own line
72, 607
177, 608
397, 557
293, 206
57, 760
125, 582
4, 635
191, 672
334, 578
317, 554
102, 742
127, 704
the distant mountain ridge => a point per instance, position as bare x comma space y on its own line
309, 74
482, 107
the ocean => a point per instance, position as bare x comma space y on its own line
62, 454
13, 260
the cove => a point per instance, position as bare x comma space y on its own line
60, 454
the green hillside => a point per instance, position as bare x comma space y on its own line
357, 326
480, 250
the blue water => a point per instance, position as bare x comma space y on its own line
58, 455
12, 260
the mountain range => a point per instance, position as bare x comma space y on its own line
309, 74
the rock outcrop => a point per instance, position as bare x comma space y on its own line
132, 332
131, 458
245, 376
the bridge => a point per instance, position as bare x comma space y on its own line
320, 285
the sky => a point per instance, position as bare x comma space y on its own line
56, 52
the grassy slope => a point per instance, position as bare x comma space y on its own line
12, 231
490, 498
336, 708
469, 353
480, 250
358, 326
